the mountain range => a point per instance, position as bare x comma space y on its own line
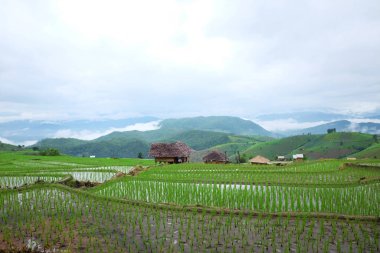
224, 133
199, 133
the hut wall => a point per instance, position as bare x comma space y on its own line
171, 159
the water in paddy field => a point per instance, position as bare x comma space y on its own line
17, 181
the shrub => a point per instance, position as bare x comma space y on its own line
50, 152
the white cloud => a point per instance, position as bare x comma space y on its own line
287, 124
25, 143
4, 140
364, 120
141, 126
90, 135
83, 59
356, 127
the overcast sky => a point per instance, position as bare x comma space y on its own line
75, 59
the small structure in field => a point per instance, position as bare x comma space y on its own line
259, 160
92, 156
215, 157
351, 158
298, 157
177, 152
281, 158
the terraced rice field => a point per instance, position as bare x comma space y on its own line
324, 206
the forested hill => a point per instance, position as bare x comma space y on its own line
334, 145
131, 143
227, 124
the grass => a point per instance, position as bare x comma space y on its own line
28, 160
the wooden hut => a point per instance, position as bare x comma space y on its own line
215, 157
177, 152
259, 160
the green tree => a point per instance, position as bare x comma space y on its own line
50, 152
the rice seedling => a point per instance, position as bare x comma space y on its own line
308, 207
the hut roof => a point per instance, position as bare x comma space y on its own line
215, 156
176, 149
259, 159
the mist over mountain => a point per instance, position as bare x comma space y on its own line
27, 132
307, 116
339, 126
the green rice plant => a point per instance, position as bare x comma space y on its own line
357, 200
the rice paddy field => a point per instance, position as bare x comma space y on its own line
311, 206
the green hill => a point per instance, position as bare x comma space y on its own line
371, 152
7, 147
112, 148
64, 143
338, 145
230, 147
117, 147
148, 136
285, 146
129, 144
226, 124
335, 145
200, 140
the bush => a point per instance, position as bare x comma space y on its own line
50, 152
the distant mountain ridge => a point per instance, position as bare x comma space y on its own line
340, 126
227, 124
308, 116
20, 131
224, 133
26, 132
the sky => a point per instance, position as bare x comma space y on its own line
91, 59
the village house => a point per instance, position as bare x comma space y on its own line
259, 160
177, 152
298, 157
281, 158
215, 157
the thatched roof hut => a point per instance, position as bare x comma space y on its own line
177, 152
259, 160
215, 157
